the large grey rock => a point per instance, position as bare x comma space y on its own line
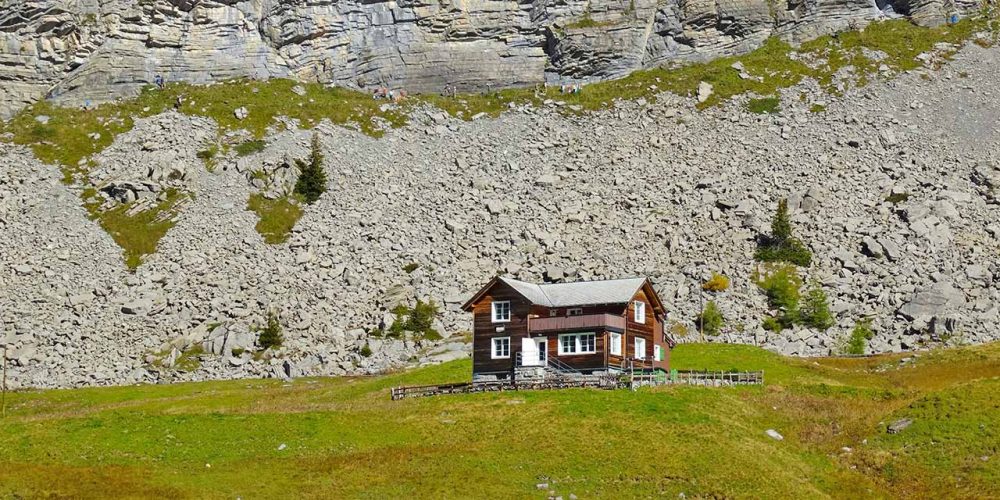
939, 299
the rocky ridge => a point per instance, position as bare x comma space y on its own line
94, 50
655, 189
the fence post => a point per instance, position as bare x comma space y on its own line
3, 386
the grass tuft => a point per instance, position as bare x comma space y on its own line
277, 217
137, 232
765, 106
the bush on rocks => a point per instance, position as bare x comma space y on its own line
711, 319
250, 147
781, 285
419, 319
270, 336
718, 283
781, 245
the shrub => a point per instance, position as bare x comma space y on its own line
208, 156
409, 268
270, 336
311, 183
815, 311
860, 336
678, 329
792, 251
767, 105
711, 319
817, 108
718, 283
897, 198
366, 350
781, 285
781, 245
419, 320
771, 324
250, 147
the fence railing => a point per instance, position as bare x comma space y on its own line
558, 323
624, 380
417, 391
706, 377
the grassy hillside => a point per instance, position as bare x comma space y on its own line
336, 438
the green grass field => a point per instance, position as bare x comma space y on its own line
343, 437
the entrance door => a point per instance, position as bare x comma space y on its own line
543, 351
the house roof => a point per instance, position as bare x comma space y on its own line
580, 293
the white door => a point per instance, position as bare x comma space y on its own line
529, 352
543, 351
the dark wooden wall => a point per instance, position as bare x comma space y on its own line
484, 330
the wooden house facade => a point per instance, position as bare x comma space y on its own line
590, 327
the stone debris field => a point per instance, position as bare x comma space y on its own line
893, 186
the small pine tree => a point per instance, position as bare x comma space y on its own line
270, 336
311, 183
781, 224
815, 311
711, 319
780, 245
860, 336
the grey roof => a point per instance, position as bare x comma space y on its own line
580, 293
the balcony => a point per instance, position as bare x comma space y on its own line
576, 323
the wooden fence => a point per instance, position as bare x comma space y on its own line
632, 381
698, 377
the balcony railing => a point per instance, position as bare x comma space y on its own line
557, 323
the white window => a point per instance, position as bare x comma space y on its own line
574, 312
501, 311
553, 313
657, 353
615, 343
640, 311
640, 348
501, 347
577, 343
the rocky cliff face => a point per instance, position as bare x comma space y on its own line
74, 50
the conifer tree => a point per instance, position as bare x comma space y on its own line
312, 179
780, 245
270, 335
816, 310
781, 225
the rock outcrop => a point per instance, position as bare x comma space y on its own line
80, 50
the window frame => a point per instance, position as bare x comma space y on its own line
575, 311
657, 353
635, 348
493, 347
577, 344
639, 311
614, 348
494, 308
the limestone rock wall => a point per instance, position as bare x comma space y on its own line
74, 50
